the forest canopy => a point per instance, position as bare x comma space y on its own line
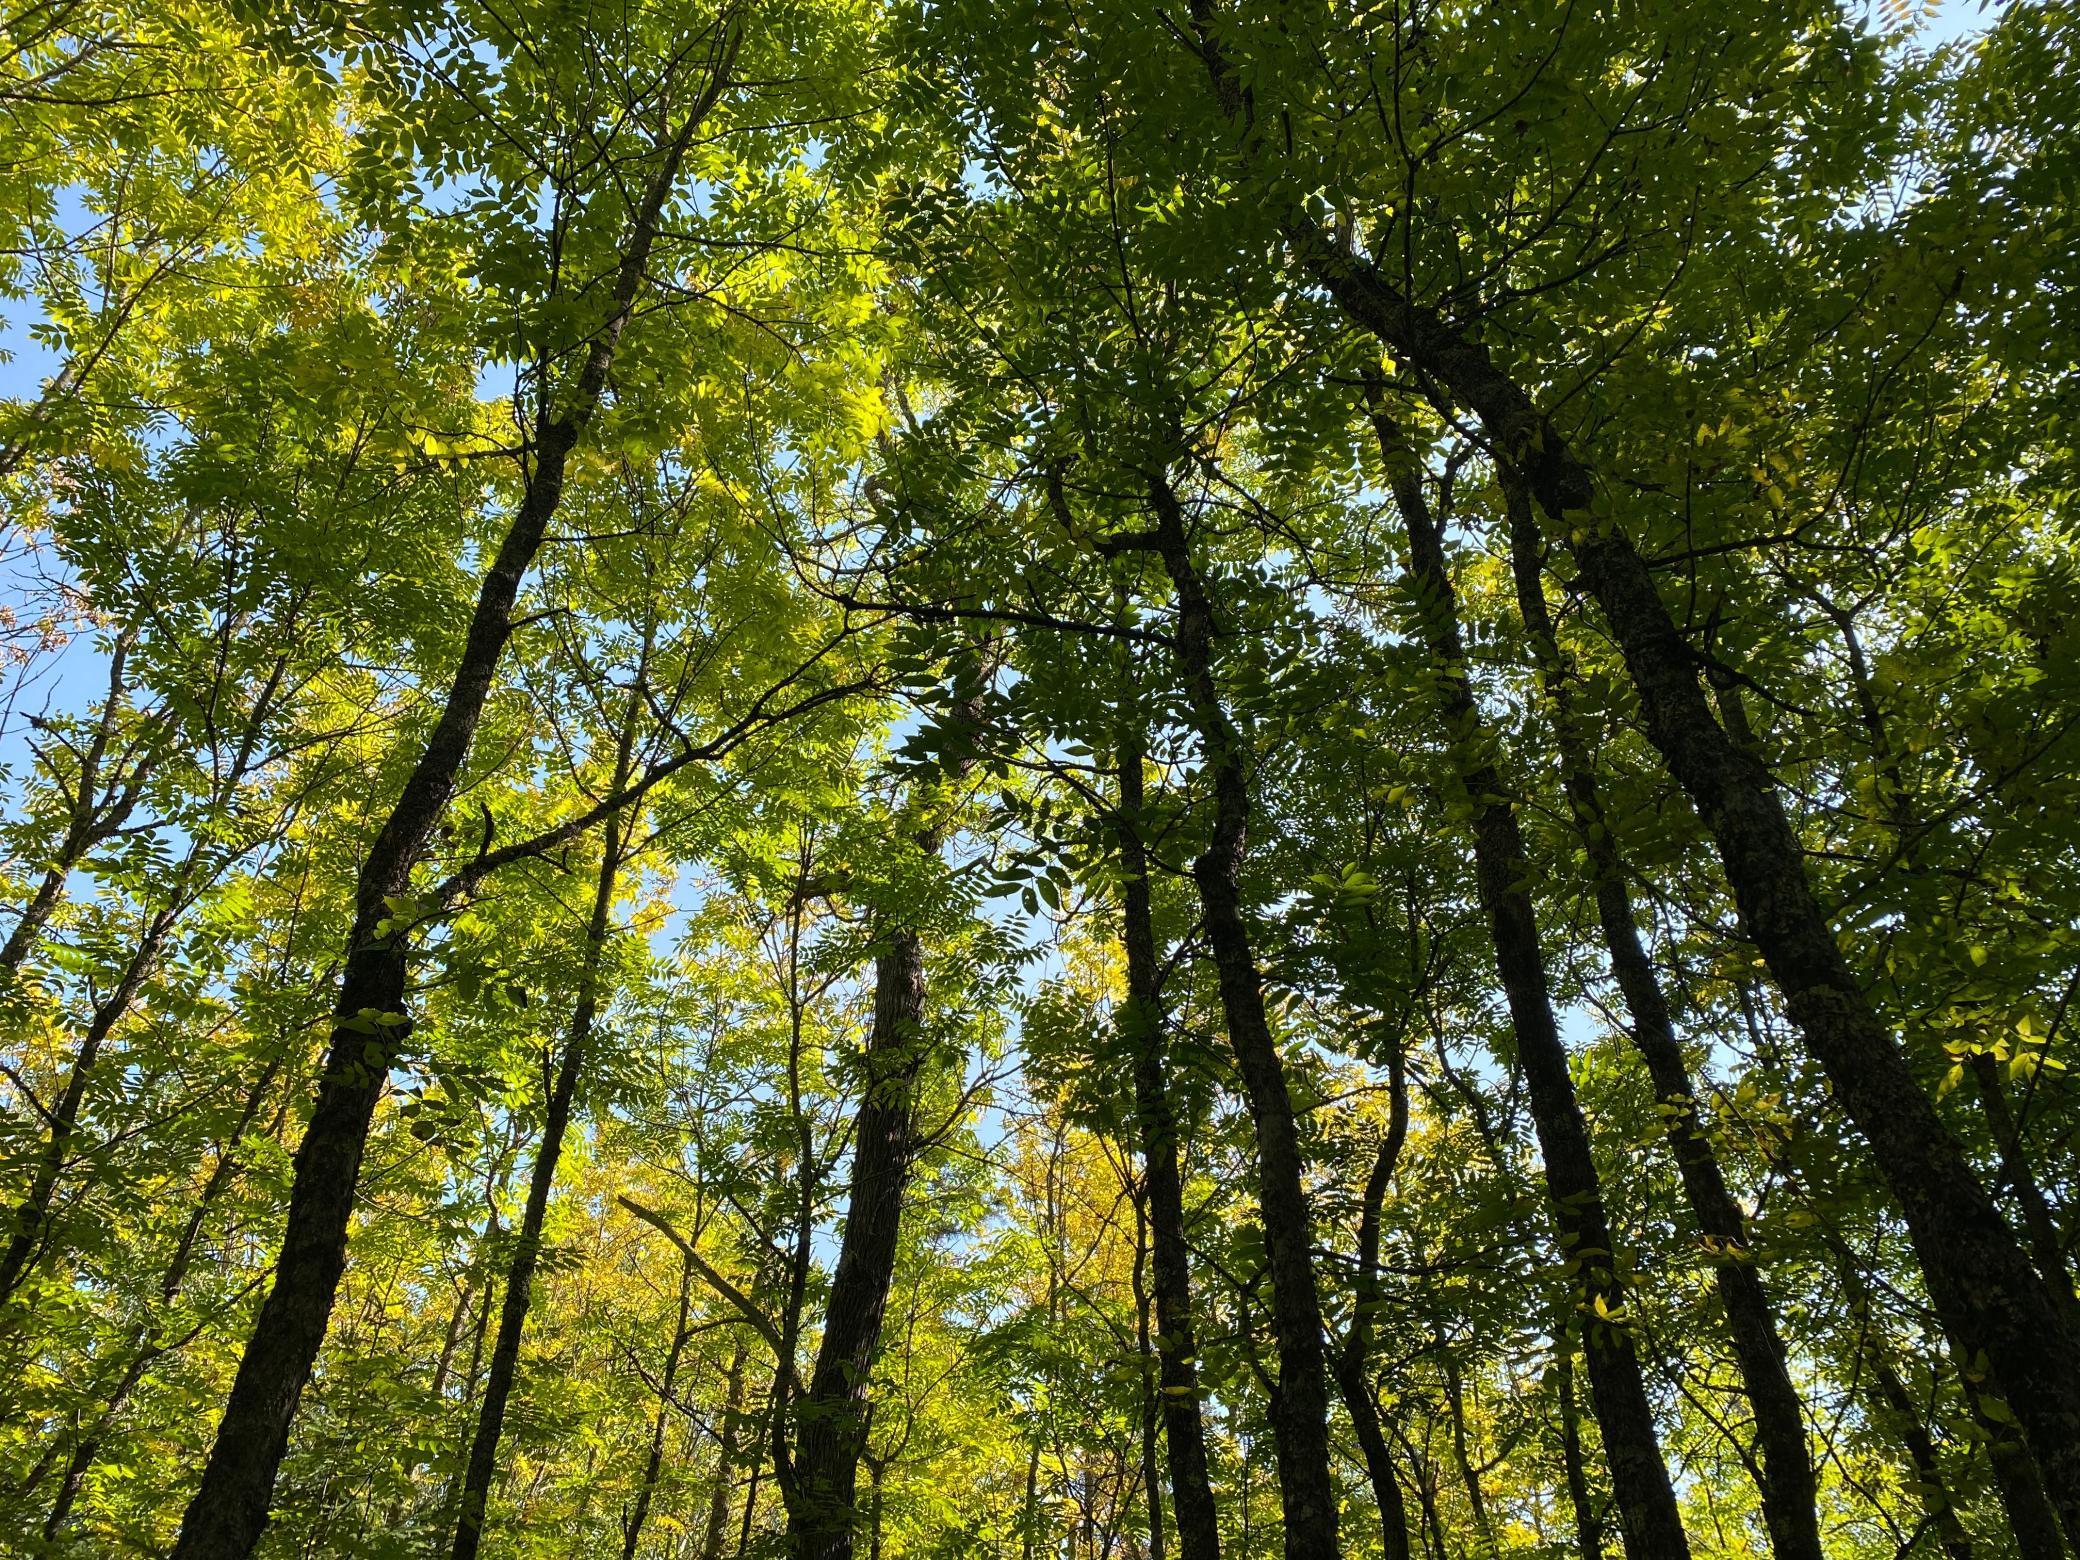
827, 779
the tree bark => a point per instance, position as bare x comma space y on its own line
482, 1462
1151, 1391
2046, 1242
1300, 1402
1646, 1500
230, 1506
1469, 1479
1913, 1436
1141, 1025
1789, 1487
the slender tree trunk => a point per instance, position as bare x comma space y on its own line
1895, 1410
877, 1471
1790, 1493
1588, 1526
653, 1463
230, 1507
1029, 1511
31, 1215
100, 805
482, 1462
1353, 1363
2046, 1243
1151, 1391
1639, 1476
451, 1497
1455, 1400
758, 1467
2015, 1474
716, 1530
1913, 1436
1300, 1405
436, 1391
1142, 1025
1434, 1543
1992, 1299
151, 1346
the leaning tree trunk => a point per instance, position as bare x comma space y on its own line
1992, 1299
482, 1463
230, 1507
653, 1460
1300, 1405
30, 1217
151, 1346
101, 804
1646, 1499
1141, 1025
1789, 1488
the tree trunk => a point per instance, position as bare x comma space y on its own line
1151, 1391
821, 1488
831, 1421
1639, 1476
716, 1530
230, 1507
1353, 1363
1588, 1526
1789, 1488
1469, 1479
482, 1462
1141, 1024
2046, 1243
150, 1346
32, 1213
1991, 1298
653, 1463
1300, 1403
100, 805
